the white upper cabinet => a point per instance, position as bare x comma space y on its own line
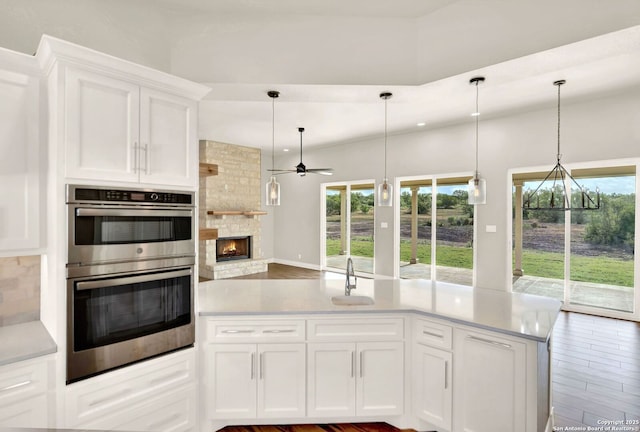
102, 127
121, 122
21, 190
167, 133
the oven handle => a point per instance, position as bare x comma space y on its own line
132, 212
81, 286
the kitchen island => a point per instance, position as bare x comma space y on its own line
424, 355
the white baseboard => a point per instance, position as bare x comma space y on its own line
296, 264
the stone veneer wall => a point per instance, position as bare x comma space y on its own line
236, 187
19, 289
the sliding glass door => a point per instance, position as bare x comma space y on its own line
349, 225
436, 230
586, 258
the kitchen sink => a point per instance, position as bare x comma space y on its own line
350, 300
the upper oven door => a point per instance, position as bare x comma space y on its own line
99, 233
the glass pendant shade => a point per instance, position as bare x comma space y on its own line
273, 192
385, 194
477, 191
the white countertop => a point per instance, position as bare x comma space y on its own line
522, 315
24, 341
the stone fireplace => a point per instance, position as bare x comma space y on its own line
233, 196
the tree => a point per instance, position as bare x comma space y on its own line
333, 204
614, 223
447, 201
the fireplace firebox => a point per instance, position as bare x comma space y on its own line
233, 248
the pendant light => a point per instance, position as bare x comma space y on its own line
559, 174
385, 190
273, 187
477, 189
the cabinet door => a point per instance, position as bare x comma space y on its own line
331, 375
168, 139
490, 383
101, 130
380, 382
20, 162
281, 380
432, 385
231, 381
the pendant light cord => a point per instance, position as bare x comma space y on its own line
477, 122
273, 133
385, 139
559, 84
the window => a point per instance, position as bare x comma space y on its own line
436, 241
349, 225
585, 258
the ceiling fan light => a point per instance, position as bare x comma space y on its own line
385, 194
273, 192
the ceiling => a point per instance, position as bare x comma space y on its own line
334, 114
386, 9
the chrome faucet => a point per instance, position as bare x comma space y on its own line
350, 272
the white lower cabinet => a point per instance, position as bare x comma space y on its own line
24, 394
256, 380
254, 368
490, 383
355, 379
344, 367
158, 395
432, 395
432, 372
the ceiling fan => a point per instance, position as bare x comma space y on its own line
301, 169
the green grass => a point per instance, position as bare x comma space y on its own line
461, 257
600, 269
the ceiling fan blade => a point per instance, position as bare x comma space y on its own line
321, 171
276, 172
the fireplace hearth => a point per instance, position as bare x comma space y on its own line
233, 248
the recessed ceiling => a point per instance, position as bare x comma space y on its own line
241, 114
386, 9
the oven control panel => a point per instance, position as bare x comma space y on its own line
85, 194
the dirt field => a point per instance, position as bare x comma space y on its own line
548, 237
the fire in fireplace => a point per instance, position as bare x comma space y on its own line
233, 248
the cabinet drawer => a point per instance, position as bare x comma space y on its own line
172, 412
354, 329
22, 381
255, 331
113, 391
431, 333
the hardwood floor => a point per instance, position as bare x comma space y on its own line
281, 271
596, 371
336, 427
596, 368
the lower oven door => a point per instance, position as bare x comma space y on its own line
118, 320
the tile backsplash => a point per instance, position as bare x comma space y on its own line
19, 289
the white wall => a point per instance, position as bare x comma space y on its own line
130, 30
601, 129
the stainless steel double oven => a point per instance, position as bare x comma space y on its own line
130, 276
